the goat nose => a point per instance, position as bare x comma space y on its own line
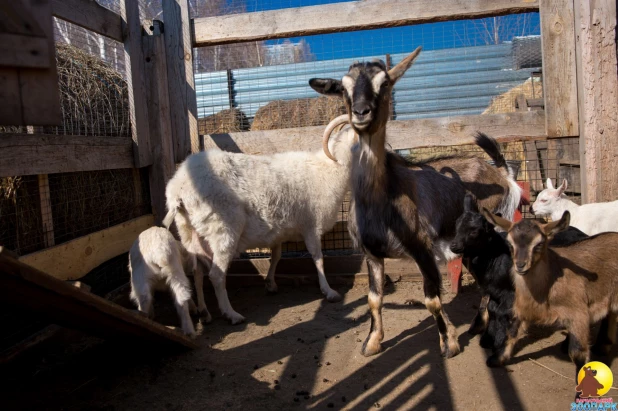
361, 111
531, 209
521, 265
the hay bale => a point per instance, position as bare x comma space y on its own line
505, 102
225, 121
298, 113
94, 97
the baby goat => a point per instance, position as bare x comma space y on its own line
232, 202
568, 286
401, 209
158, 262
593, 218
487, 257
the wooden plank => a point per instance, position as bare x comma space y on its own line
40, 94
18, 19
46, 211
533, 167
90, 15
27, 344
348, 16
559, 72
134, 63
163, 165
76, 258
69, 306
554, 152
47, 154
595, 24
9, 92
24, 51
179, 54
444, 131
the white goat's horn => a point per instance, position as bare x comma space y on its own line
342, 119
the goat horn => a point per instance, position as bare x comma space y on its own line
342, 119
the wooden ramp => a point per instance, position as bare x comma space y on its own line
72, 307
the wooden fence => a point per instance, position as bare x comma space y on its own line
579, 77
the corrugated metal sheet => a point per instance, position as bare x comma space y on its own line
442, 82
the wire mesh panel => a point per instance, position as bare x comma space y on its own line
467, 67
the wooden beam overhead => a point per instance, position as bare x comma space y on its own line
348, 16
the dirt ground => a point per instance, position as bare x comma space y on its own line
297, 351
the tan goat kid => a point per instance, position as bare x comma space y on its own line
569, 287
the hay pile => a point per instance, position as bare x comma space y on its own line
505, 102
94, 101
93, 96
225, 121
298, 113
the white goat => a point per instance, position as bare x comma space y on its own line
158, 262
237, 201
593, 218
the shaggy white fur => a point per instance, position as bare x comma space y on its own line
235, 202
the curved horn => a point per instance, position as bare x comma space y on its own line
342, 119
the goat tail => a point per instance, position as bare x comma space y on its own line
512, 199
173, 206
491, 147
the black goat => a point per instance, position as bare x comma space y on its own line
487, 257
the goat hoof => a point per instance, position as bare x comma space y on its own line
271, 288
494, 361
371, 348
204, 316
486, 341
333, 296
450, 350
235, 318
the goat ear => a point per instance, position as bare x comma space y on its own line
549, 184
555, 227
327, 86
396, 72
563, 186
469, 203
503, 223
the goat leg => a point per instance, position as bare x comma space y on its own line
312, 241
372, 344
432, 280
275, 256
505, 351
480, 320
607, 335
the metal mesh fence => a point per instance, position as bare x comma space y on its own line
467, 67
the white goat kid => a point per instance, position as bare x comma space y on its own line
237, 201
157, 261
593, 218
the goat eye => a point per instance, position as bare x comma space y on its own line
543, 200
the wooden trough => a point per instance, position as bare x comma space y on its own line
70, 306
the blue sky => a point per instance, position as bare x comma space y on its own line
404, 39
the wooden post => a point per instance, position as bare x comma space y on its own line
559, 74
179, 54
595, 25
163, 165
134, 64
46, 211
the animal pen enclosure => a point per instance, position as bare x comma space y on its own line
144, 84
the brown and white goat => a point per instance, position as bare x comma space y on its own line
401, 209
570, 286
